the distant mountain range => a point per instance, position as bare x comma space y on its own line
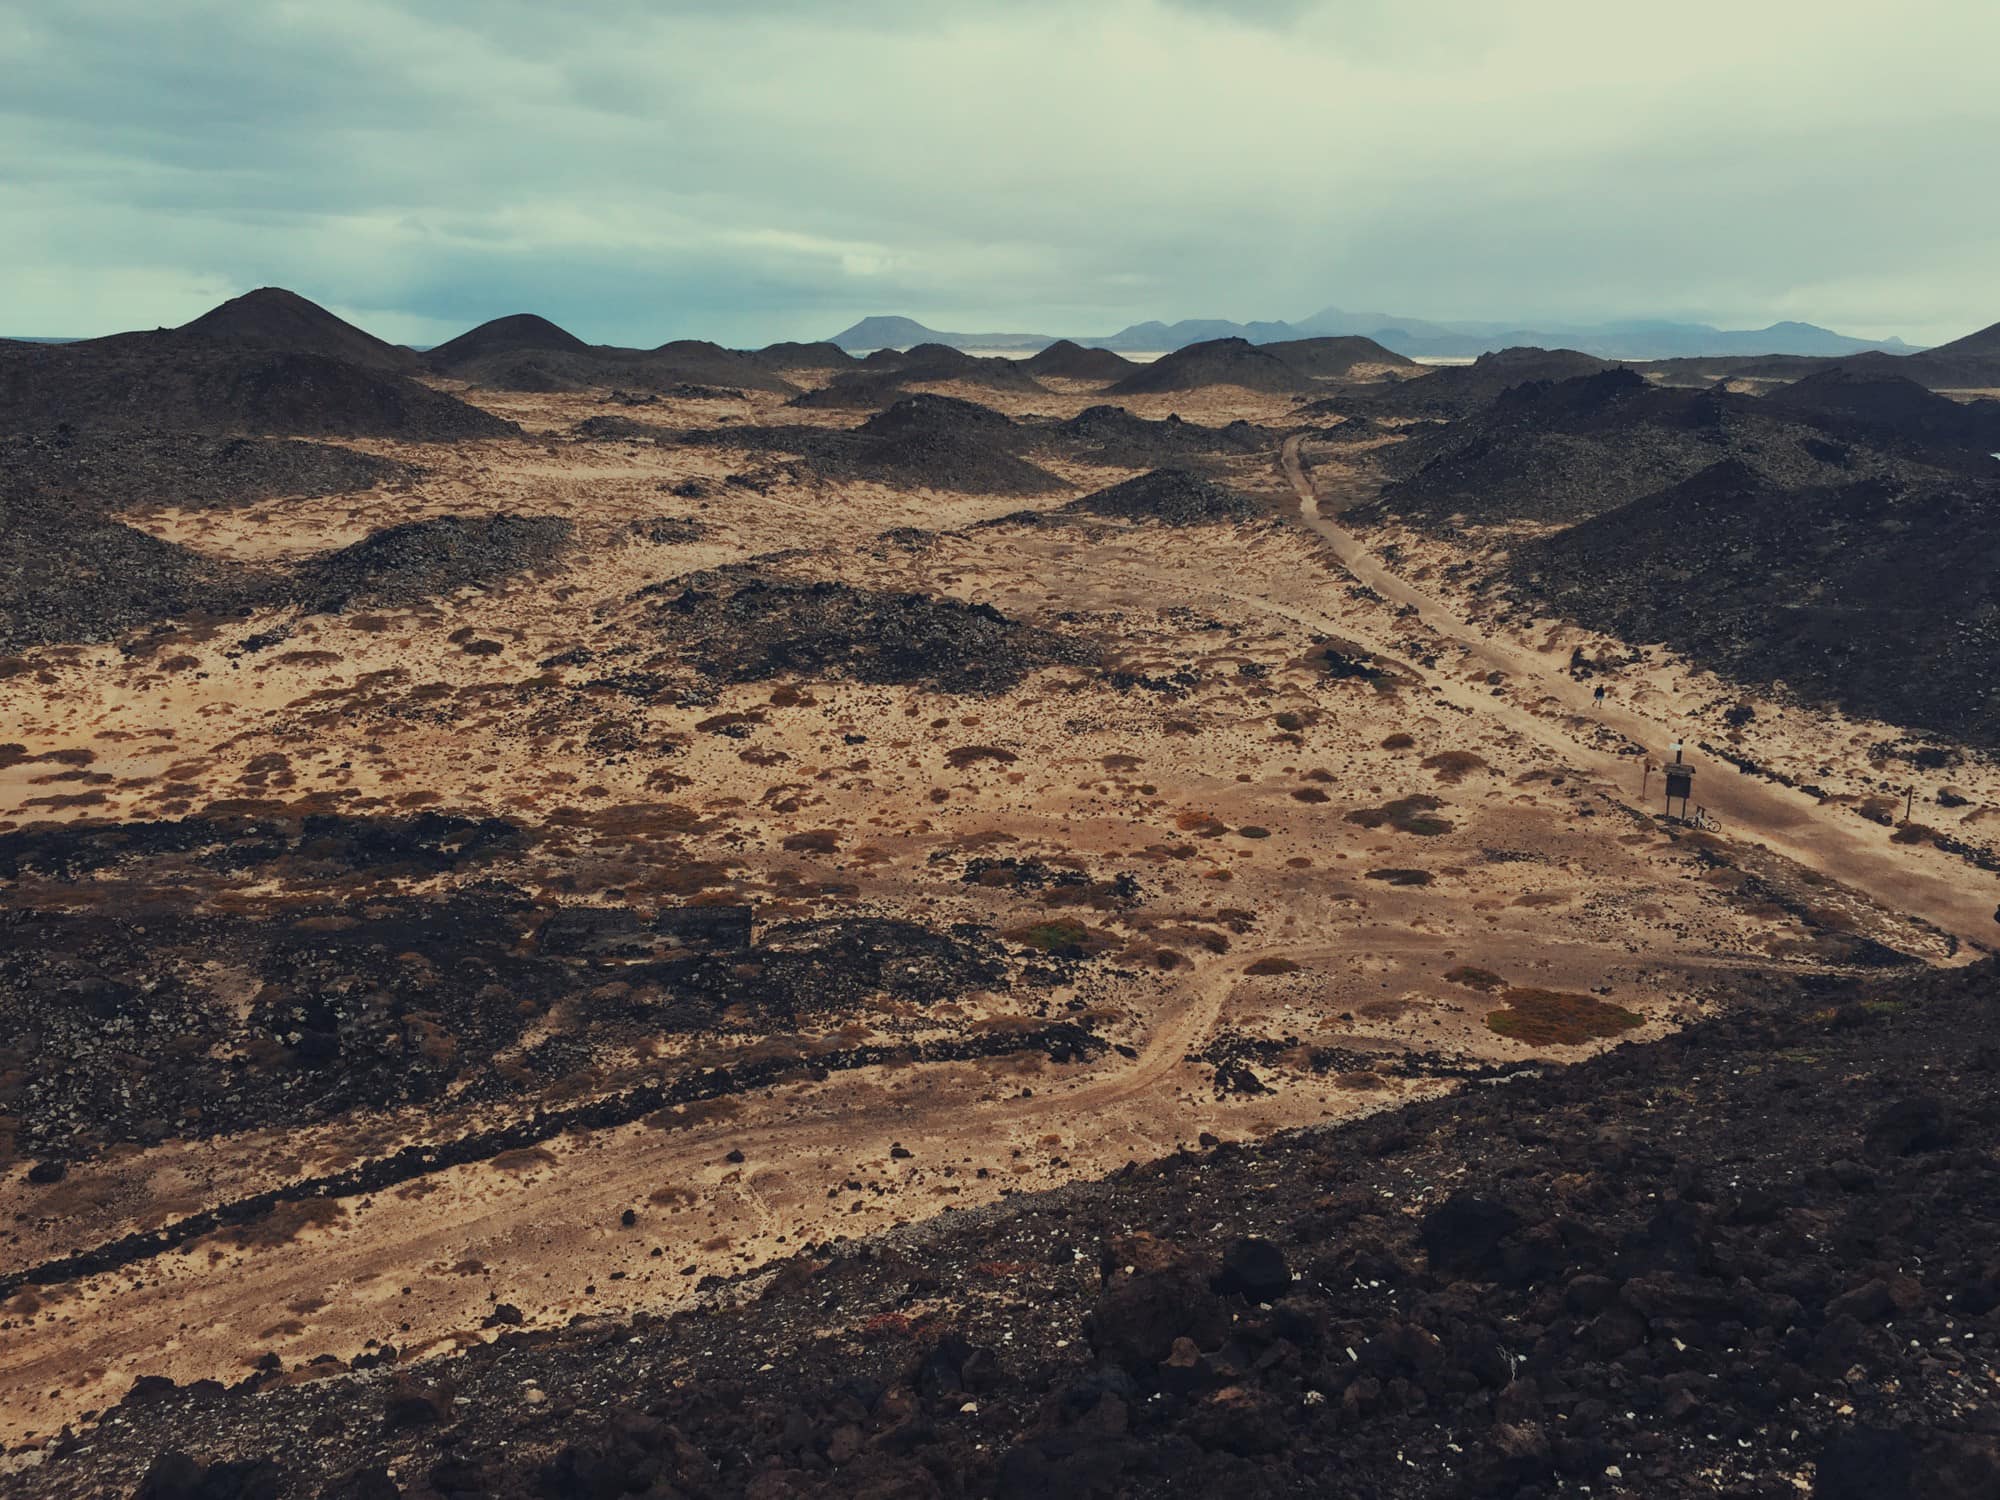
1416, 338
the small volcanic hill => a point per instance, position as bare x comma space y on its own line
1172, 496
1064, 360
929, 413
1969, 363
420, 560
1455, 390
1892, 408
1985, 344
1881, 597
1336, 358
738, 624
1113, 436
942, 451
514, 334
69, 573
140, 383
1564, 450
796, 356
119, 470
699, 362
683, 362
876, 385
273, 318
1232, 361
923, 441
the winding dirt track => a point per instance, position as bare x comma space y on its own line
192, 1320
1914, 879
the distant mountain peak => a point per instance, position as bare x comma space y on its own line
1413, 338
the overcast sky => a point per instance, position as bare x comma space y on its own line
748, 170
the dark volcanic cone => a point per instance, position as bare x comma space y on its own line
1064, 360
273, 318
1236, 362
509, 335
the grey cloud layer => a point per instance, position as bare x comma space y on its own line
752, 171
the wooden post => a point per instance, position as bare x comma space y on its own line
1910, 802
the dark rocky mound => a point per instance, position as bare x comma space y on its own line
1336, 358
877, 384
1514, 1291
942, 443
121, 470
863, 390
542, 372
1173, 496
1113, 436
698, 362
1560, 451
1970, 363
963, 463
796, 356
513, 334
1232, 361
610, 427
1455, 390
687, 362
918, 442
1064, 360
1985, 344
737, 625
1883, 598
1892, 408
70, 573
421, 560
927, 413
273, 318
140, 383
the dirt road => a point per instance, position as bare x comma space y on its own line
1915, 879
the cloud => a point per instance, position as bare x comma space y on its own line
774, 168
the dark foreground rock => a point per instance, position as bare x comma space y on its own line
1752, 1259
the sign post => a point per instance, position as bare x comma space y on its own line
1680, 783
